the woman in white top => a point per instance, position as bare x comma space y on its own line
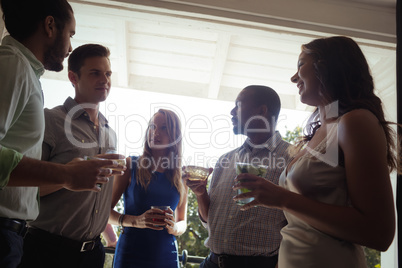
336, 192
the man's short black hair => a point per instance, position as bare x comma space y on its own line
263, 95
22, 17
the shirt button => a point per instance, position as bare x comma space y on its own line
230, 217
225, 240
96, 211
90, 233
82, 141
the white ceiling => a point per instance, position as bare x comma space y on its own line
366, 19
170, 50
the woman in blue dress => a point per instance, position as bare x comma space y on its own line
154, 179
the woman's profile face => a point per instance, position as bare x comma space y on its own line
307, 82
158, 137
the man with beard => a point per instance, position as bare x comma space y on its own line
39, 39
67, 231
245, 238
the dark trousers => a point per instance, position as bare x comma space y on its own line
207, 263
10, 248
240, 262
39, 253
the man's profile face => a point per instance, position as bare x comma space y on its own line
244, 112
61, 48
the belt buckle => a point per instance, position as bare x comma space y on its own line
90, 244
221, 260
23, 231
19, 226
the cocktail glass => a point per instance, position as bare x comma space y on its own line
121, 160
259, 170
161, 221
196, 173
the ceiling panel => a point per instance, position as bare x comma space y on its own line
200, 57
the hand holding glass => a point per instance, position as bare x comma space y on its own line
259, 170
165, 210
120, 159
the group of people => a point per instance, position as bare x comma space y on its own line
313, 208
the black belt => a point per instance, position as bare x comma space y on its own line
64, 242
233, 261
15, 225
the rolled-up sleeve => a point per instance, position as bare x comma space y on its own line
9, 159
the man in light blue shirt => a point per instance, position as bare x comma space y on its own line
40, 33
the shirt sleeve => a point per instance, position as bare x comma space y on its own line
203, 222
9, 160
213, 178
13, 97
14, 92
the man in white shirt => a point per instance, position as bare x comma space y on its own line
39, 39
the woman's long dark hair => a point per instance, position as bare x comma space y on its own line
345, 77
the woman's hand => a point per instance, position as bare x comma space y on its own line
153, 219
171, 225
265, 193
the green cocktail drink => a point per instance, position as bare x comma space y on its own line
258, 170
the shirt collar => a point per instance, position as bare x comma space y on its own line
72, 106
36, 65
270, 144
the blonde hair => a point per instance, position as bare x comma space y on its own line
145, 164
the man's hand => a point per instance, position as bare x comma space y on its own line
198, 187
120, 159
200, 190
83, 175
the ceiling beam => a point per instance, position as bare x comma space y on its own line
218, 67
122, 53
307, 15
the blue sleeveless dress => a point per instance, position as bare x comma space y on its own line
147, 248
